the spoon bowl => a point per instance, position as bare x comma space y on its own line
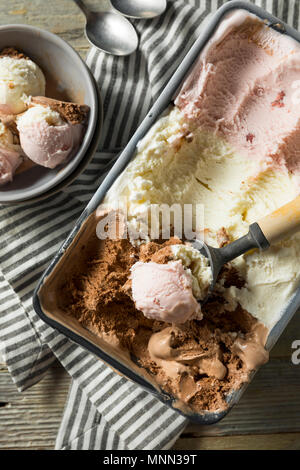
142, 9
111, 33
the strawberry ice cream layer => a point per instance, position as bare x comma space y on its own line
245, 86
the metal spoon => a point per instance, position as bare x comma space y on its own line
141, 9
110, 32
271, 229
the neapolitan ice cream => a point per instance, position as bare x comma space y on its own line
230, 144
197, 362
46, 131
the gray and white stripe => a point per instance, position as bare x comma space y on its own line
103, 410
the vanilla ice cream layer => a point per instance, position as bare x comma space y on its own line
20, 78
234, 191
271, 279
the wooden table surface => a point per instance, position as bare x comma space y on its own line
268, 415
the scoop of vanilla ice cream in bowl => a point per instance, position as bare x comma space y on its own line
20, 78
49, 95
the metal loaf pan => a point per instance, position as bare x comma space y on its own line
70, 327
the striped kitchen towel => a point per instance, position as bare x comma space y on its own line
103, 410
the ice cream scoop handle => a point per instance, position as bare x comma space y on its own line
253, 239
282, 223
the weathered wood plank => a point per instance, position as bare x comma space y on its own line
269, 406
61, 17
268, 415
252, 442
31, 419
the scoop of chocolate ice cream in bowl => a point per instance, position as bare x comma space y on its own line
50, 114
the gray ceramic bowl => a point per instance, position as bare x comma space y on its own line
69, 79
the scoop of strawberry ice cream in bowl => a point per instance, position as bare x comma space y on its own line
46, 136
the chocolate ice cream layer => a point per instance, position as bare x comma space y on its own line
198, 363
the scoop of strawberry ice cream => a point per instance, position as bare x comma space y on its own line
9, 162
164, 292
10, 155
44, 136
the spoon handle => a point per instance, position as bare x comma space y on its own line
82, 7
283, 222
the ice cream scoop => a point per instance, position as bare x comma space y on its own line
20, 78
50, 130
73, 113
262, 234
44, 136
164, 291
